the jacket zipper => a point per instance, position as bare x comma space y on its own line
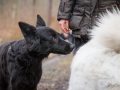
63, 5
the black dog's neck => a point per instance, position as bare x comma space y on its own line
38, 55
20, 47
24, 59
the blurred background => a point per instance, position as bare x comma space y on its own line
13, 11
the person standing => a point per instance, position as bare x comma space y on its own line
80, 15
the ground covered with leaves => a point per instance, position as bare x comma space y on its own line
56, 75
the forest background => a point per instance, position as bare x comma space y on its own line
13, 11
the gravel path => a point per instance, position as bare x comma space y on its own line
56, 74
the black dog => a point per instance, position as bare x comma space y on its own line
20, 61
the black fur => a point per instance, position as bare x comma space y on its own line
20, 61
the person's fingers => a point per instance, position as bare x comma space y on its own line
61, 23
64, 26
66, 31
67, 25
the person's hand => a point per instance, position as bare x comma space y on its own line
64, 24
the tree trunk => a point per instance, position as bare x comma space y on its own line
49, 12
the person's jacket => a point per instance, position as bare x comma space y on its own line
82, 14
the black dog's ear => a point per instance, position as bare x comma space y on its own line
30, 35
27, 30
40, 21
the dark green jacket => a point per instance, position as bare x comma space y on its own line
82, 14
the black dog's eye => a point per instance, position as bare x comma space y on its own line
53, 38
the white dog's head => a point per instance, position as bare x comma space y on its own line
107, 31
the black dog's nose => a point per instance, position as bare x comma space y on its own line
72, 46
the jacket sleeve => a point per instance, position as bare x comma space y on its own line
65, 9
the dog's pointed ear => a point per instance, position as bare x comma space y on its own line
30, 35
28, 31
40, 21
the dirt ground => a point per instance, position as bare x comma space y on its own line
56, 75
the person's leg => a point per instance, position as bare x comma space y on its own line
77, 43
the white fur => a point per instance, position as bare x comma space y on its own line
96, 65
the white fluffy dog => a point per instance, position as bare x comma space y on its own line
96, 65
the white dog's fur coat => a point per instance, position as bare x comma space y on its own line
96, 65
